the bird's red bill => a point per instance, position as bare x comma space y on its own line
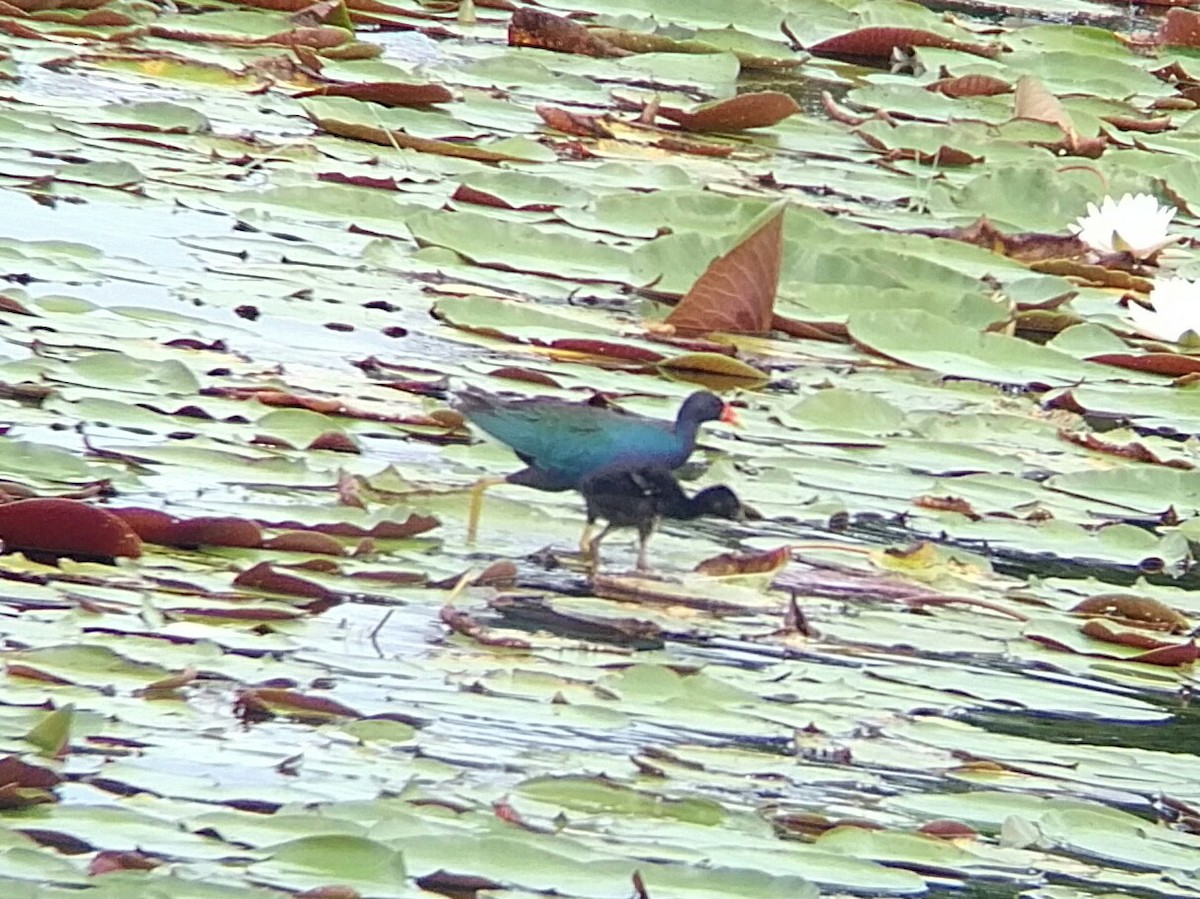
730, 417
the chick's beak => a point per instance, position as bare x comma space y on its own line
730, 417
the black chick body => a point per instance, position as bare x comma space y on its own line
561, 443
642, 497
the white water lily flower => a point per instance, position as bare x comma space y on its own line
1136, 225
1176, 303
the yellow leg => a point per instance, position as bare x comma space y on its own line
585, 541
477, 504
592, 553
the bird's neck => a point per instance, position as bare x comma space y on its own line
689, 508
686, 429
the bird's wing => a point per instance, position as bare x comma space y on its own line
574, 437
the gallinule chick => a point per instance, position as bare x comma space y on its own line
561, 442
641, 497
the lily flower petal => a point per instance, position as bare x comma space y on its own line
1176, 303
1135, 224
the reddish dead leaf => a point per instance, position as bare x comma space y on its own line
16, 29
1169, 656
467, 194
158, 527
1175, 365
1136, 610
263, 577
305, 542
942, 156
728, 564
384, 530
1098, 629
23, 774
66, 527
149, 524
215, 531
754, 110
878, 42
577, 123
258, 703
529, 27
327, 566
1142, 126
334, 441
606, 348
271, 396
457, 886
330, 892
948, 830
1131, 450
19, 669
736, 293
393, 530
970, 86
385, 93
1181, 28
109, 860
947, 504
528, 375
12, 306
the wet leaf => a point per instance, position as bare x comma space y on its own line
751, 110
736, 293
1134, 610
67, 527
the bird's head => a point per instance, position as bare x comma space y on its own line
706, 406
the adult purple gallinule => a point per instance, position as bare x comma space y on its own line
561, 442
641, 498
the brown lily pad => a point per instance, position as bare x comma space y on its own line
66, 527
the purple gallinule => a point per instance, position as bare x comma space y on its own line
641, 497
561, 442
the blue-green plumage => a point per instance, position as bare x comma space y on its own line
561, 442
